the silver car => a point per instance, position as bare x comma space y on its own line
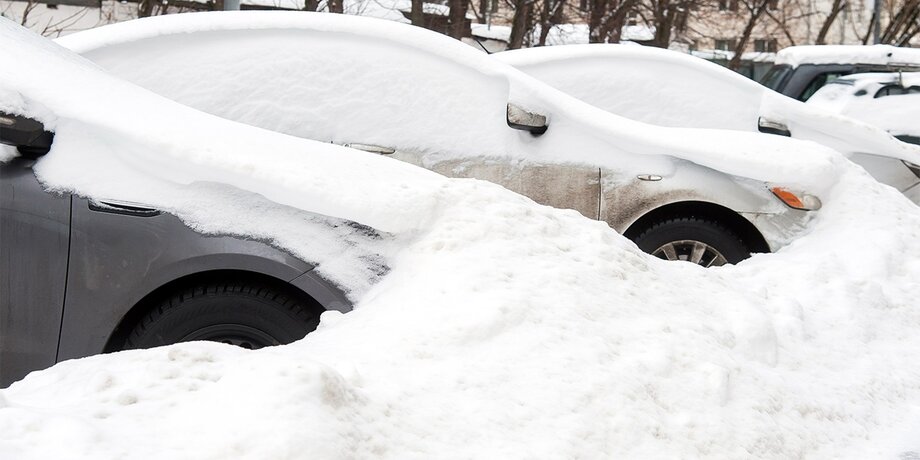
669, 88
420, 97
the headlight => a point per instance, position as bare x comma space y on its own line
802, 201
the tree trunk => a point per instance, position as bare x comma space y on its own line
520, 23
417, 15
336, 6
310, 5
756, 11
456, 19
836, 8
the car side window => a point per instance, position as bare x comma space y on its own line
895, 90
818, 82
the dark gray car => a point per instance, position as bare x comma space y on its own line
79, 277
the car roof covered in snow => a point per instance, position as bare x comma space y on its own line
740, 154
848, 54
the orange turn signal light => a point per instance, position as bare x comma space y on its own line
805, 202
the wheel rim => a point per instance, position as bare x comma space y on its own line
233, 334
692, 251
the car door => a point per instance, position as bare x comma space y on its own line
566, 186
34, 241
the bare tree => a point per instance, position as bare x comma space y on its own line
25, 12
667, 17
521, 23
836, 7
418, 14
550, 14
903, 19
754, 11
456, 18
336, 6
606, 19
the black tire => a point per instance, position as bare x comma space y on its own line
682, 233
244, 314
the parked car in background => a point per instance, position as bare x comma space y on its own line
415, 95
890, 101
669, 88
800, 71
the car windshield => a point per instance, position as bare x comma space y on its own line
776, 76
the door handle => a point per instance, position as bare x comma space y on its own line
122, 208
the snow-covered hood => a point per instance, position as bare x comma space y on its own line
614, 140
673, 89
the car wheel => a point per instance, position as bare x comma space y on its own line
247, 315
693, 240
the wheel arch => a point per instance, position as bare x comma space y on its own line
136, 313
749, 234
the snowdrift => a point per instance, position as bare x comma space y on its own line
504, 329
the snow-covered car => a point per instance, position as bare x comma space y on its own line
669, 88
890, 101
96, 253
415, 95
800, 71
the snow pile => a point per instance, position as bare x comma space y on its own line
504, 329
665, 88
847, 54
510, 330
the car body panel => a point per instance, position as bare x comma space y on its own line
34, 225
115, 259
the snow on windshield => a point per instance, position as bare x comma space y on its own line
504, 329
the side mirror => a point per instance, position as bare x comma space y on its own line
772, 127
28, 135
518, 118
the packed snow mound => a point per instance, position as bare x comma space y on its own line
503, 329
511, 330
347, 79
847, 54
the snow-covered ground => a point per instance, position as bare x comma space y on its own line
504, 329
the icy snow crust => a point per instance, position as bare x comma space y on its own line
665, 88
348, 79
503, 330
